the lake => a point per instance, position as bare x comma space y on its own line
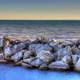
9, 72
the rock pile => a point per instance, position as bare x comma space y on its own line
41, 53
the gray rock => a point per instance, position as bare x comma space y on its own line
7, 52
58, 65
54, 45
75, 50
77, 66
67, 43
2, 58
63, 52
43, 66
45, 56
38, 47
1, 41
27, 54
18, 56
67, 59
29, 60
37, 62
75, 58
18, 47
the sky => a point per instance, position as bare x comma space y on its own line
40, 9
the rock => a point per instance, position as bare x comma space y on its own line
29, 60
7, 52
75, 50
63, 52
18, 47
37, 62
45, 56
2, 58
77, 42
58, 65
18, 56
38, 47
18, 63
54, 45
41, 39
26, 65
67, 59
1, 41
77, 66
43, 66
75, 58
67, 43
27, 54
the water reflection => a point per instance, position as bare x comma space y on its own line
8, 72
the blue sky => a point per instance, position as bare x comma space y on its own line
42, 9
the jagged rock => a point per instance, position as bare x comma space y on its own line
18, 63
18, 47
43, 66
37, 62
75, 50
29, 60
54, 45
1, 41
36, 48
7, 52
45, 56
67, 59
41, 39
63, 52
67, 43
58, 65
75, 58
77, 66
27, 54
18, 56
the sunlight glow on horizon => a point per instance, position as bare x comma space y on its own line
39, 17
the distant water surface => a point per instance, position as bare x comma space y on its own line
50, 28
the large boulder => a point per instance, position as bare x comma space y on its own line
75, 58
7, 52
58, 65
67, 59
67, 43
27, 54
36, 48
37, 62
29, 60
17, 56
45, 56
75, 50
63, 52
43, 66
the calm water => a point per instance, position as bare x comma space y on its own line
8, 72
64, 29
33, 28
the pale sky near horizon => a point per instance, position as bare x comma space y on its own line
40, 9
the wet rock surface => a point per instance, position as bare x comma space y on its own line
41, 53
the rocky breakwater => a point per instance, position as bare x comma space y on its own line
41, 53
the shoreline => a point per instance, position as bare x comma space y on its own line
41, 53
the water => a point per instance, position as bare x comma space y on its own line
9, 72
56, 29
33, 28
